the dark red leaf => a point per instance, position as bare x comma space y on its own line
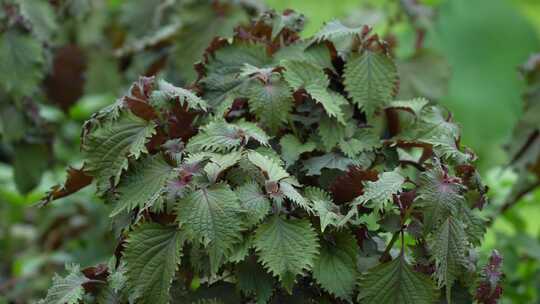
65, 84
349, 185
76, 180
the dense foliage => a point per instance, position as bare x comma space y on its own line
61, 61
52, 53
287, 173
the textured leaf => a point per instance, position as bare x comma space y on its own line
317, 54
271, 102
415, 106
253, 202
314, 165
326, 210
108, 296
143, 185
152, 255
292, 148
212, 216
21, 63
364, 140
449, 245
166, 92
286, 248
335, 29
438, 195
107, 149
377, 194
370, 80
292, 194
67, 290
304, 75
272, 170
331, 133
219, 163
433, 128
222, 81
474, 225
335, 268
254, 280
396, 282
222, 136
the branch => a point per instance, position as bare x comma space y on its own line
510, 203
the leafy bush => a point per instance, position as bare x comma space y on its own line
287, 173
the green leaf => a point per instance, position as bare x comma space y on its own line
292, 148
317, 54
290, 192
305, 75
425, 74
438, 196
200, 24
363, 140
220, 136
272, 170
314, 165
270, 101
67, 290
286, 248
212, 216
143, 185
219, 163
224, 67
324, 207
21, 63
474, 225
435, 129
108, 148
371, 80
152, 255
335, 268
335, 29
115, 291
290, 20
377, 194
166, 92
42, 17
396, 282
29, 163
253, 280
331, 133
253, 202
108, 296
448, 245
415, 106
252, 130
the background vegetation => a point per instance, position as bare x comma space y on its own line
484, 42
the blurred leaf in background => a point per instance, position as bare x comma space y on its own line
485, 41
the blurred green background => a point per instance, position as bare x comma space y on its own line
484, 42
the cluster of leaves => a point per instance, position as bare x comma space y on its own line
60, 62
287, 173
524, 149
56, 53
